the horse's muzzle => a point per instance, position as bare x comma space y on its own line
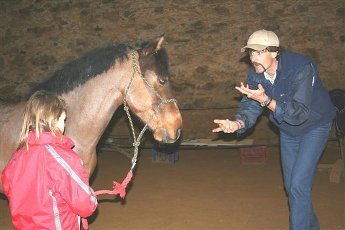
167, 137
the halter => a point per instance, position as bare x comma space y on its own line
136, 141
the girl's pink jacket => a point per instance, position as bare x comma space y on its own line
47, 186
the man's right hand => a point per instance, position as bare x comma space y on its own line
226, 126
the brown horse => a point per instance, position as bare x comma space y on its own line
94, 86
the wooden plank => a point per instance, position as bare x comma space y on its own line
210, 142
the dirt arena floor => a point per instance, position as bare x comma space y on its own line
204, 189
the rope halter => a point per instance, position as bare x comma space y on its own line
136, 140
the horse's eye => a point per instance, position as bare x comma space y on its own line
162, 81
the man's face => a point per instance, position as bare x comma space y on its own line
262, 60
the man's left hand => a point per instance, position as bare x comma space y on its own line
258, 95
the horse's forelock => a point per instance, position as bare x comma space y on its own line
162, 60
159, 61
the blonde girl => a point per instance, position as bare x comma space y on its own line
45, 182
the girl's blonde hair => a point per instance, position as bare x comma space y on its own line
41, 114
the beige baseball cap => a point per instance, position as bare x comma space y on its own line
260, 40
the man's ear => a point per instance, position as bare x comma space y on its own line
274, 54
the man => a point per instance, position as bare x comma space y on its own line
289, 86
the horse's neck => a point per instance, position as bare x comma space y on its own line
10, 125
90, 109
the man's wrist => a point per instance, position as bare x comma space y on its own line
240, 124
266, 102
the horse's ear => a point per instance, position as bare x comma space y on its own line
153, 46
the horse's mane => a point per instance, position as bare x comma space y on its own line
77, 72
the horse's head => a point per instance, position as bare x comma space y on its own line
148, 94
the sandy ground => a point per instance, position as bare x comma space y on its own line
205, 189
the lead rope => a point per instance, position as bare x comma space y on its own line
120, 188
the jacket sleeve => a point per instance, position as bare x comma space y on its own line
6, 176
71, 182
6, 182
296, 110
249, 110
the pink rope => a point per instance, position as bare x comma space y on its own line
117, 189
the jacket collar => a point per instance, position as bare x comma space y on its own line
49, 138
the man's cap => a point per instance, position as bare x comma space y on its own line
260, 40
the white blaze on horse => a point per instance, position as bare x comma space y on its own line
94, 86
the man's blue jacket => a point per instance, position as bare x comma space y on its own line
302, 101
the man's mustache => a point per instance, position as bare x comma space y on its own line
256, 63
